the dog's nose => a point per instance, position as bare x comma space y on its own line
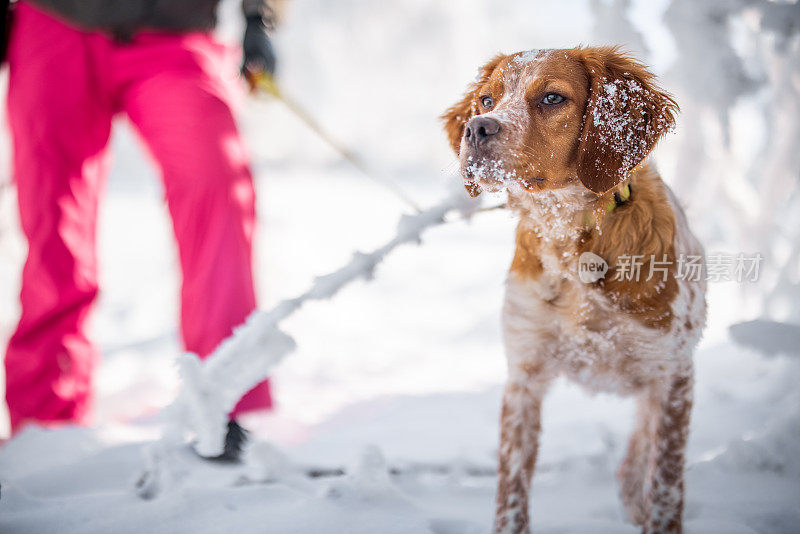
481, 129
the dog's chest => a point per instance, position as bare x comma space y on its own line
554, 323
568, 327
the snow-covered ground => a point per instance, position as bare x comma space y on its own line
397, 381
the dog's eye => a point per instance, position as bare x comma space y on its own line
487, 102
552, 98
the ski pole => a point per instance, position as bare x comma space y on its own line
266, 83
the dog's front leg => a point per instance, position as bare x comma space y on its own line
664, 484
634, 468
519, 442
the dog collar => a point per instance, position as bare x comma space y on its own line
620, 197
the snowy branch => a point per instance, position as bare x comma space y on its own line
211, 388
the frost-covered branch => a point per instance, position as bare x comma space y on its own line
211, 388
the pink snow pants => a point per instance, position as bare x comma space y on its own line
65, 86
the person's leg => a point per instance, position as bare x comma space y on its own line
177, 100
60, 127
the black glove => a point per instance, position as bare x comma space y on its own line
5, 23
259, 57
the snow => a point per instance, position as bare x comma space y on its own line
491, 174
529, 56
441, 446
396, 382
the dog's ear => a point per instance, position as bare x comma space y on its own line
626, 114
457, 116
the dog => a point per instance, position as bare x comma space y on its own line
567, 133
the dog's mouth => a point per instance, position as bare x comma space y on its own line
488, 173
495, 175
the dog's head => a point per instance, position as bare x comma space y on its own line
544, 118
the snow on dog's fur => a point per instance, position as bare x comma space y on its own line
567, 134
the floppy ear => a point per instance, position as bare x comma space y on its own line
626, 114
457, 116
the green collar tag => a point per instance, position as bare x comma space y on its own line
620, 197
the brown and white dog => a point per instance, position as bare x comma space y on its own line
567, 133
